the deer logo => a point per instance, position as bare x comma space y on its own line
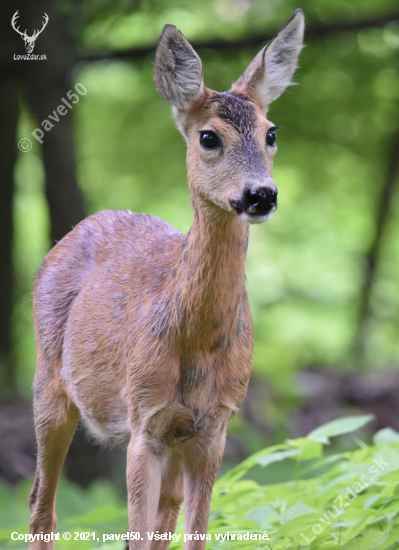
29, 40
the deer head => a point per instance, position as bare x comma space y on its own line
29, 40
230, 142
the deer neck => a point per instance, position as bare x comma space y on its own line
210, 277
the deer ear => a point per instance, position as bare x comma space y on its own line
271, 71
178, 71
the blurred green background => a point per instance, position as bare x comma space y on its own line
322, 275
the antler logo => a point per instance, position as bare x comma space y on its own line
29, 40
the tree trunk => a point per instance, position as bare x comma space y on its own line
45, 84
9, 112
8, 124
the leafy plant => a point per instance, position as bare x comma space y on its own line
348, 500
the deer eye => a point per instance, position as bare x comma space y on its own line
209, 140
271, 136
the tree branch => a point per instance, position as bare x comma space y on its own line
313, 30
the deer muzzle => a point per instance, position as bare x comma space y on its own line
256, 205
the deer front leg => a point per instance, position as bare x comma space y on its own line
200, 473
170, 501
144, 474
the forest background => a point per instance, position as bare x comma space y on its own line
322, 275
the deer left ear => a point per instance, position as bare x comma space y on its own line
272, 70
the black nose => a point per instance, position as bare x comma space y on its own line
260, 201
256, 202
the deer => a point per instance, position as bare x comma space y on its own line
144, 333
29, 40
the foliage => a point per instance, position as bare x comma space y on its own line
350, 500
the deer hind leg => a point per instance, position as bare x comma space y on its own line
56, 418
170, 501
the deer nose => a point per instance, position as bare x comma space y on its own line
260, 201
256, 202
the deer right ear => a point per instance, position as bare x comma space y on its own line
271, 71
178, 71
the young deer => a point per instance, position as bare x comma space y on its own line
146, 333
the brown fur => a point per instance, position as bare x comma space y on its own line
146, 333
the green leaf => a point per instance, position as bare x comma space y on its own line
299, 509
369, 541
391, 539
354, 514
301, 524
386, 435
385, 462
263, 514
356, 529
277, 457
338, 427
309, 449
371, 500
239, 471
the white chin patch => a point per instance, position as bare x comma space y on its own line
251, 218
